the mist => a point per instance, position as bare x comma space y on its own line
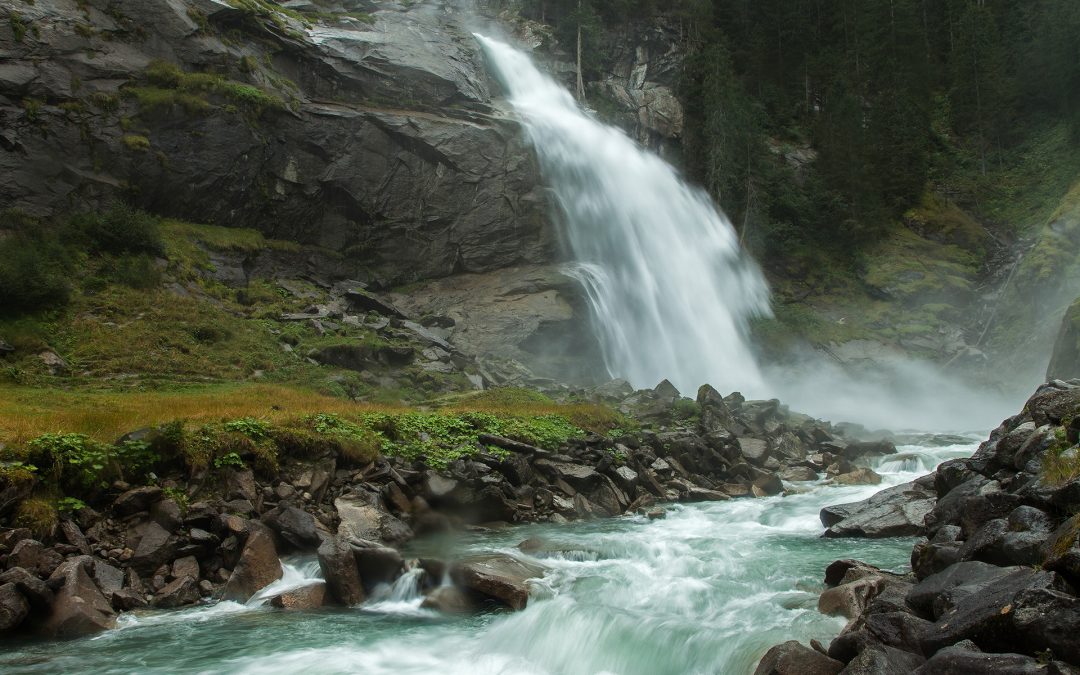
894, 393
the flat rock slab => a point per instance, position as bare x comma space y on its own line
898, 511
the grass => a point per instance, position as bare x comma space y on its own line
171, 87
136, 143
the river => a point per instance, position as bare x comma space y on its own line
708, 589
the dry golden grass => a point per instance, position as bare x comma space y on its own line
26, 413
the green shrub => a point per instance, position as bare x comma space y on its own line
136, 271
121, 229
136, 143
75, 461
34, 272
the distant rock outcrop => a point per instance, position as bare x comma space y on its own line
1065, 362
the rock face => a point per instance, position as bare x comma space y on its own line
1065, 361
432, 179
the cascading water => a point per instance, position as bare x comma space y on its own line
669, 287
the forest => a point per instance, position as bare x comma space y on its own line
896, 97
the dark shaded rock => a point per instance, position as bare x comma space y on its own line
79, 608
14, 608
767, 486
186, 567
108, 578
848, 570
258, 567
795, 658
377, 564
797, 474
295, 526
578, 476
959, 580
181, 592
305, 598
1065, 359
127, 599
966, 659
74, 536
338, 564
497, 577
155, 546
1047, 620
900, 630
859, 449
34, 589
883, 660
985, 617
136, 500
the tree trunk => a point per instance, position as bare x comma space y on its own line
580, 79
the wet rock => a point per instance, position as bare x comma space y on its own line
79, 608
179, 593
377, 564
258, 567
850, 599
240, 485
860, 476
859, 449
894, 512
497, 577
305, 598
794, 658
74, 536
293, 525
696, 494
108, 578
450, 600
578, 476
798, 474
137, 500
14, 608
338, 564
767, 486
127, 599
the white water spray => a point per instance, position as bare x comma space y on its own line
669, 287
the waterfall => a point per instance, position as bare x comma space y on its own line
668, 286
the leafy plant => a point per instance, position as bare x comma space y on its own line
230, 460
70, 505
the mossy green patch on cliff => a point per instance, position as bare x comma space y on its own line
169, 87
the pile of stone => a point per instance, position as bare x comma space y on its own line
994, 579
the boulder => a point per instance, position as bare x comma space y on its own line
79, 608
898, 511
186, 567
450, 600
883, 660
850, 599
377, 564
136, 500
959, 580
258, 567
794, 658
14, 607
798, 474
293, 525
897, 629
153, 546
755, 451
860, 476
363, 516
179, 593
304, 598
965, 658
35, 590
579, 476
499, 578
338, 564
767, 486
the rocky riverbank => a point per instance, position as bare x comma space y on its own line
994, 579
202, 536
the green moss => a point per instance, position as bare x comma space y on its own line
38, 515
18, 27
171, 87
136, 143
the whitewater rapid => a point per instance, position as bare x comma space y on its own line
708, 589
